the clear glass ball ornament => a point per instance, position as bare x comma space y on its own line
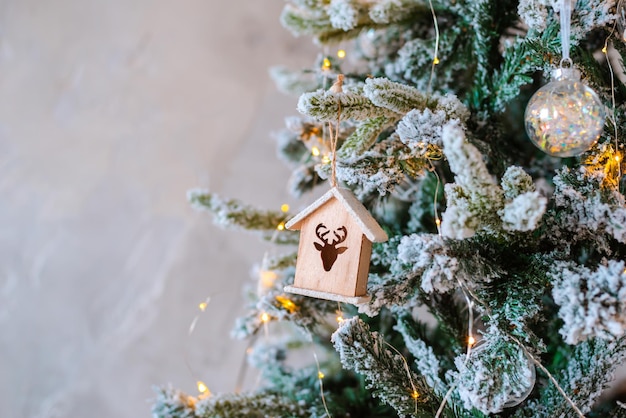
524, 382
532, 377
564, 118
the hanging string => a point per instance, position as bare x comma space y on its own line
335, 88
566, 16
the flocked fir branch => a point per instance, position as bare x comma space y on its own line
364, 136
170, 402
475, 201
592, 304
585, 211
234, 214
271, 304
380, 169
295, 82
325, 105
368, 354
339, 20
254, 405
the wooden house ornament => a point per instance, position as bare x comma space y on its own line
336, 235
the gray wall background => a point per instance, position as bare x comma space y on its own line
109, 112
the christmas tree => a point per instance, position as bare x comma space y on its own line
501, 289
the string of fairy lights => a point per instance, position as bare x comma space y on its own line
203, 390
613, 165
268, 277
611, 157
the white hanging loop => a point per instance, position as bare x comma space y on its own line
566, 16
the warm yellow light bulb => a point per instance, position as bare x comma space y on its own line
287, 304
315, 151
415, 394
326, 159
618, 158
202, 387
320, 375
326, 64
339, 319
265, 317
284, 208
202, 306
436, 61
268, 277
281, 226
604, 50
341, 53
438, 221
471, 340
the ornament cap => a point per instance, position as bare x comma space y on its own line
566, 73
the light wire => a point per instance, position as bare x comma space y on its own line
436, 54
612, 115
320, 376
408, 372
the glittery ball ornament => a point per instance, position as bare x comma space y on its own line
564, 118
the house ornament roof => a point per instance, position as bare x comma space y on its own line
370, 228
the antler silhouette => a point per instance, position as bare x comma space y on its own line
343, 234
329, 250
322, 236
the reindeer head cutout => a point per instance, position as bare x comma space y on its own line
328, 248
